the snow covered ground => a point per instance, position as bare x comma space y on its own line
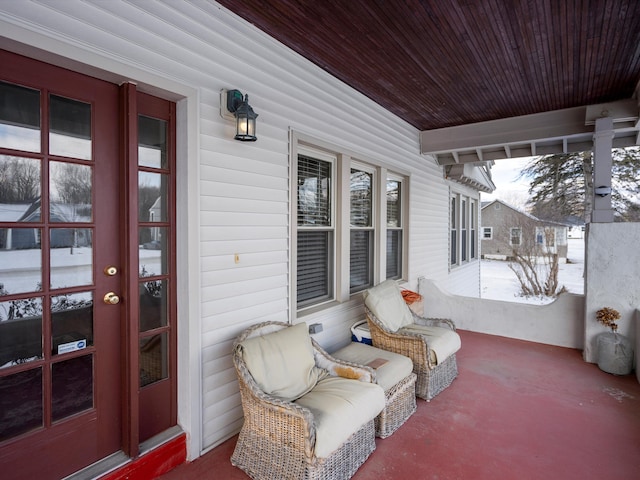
500, 283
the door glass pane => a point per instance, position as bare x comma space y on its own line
20, 331
152, 197
70, 193
19, 189
153, 358
153, 251
72, 386
71, 322
71, 257
20, 403
70, 128
19, 118
153, 305
152, 142
20, 260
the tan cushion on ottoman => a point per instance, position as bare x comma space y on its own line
393, 367
341, 406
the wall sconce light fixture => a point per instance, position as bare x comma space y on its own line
244, 115
603, 191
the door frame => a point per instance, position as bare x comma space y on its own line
92, 61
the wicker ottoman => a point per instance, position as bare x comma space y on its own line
394, 373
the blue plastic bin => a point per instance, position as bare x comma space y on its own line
360, 332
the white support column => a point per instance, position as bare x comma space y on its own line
602, 164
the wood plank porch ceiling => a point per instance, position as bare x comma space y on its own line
440, 64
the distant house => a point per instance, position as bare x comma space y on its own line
576, 227
28, 238
505, 229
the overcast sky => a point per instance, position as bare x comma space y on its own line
508, 187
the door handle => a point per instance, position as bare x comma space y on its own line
111, 298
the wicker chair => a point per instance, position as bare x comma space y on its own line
414, 337
279, 437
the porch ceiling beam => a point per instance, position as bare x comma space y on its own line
560, 131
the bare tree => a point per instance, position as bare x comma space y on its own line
533, 254
72, 183
19, 180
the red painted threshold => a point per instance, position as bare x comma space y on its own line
154, 463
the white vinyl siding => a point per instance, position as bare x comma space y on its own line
237, 232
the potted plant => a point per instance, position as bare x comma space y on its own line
615, 353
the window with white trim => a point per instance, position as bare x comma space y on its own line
395, 225
316, 230
453, 239
463, 223
463, 229
350, 225
515, 236
487, 233
473, 219
361, 235
546, 236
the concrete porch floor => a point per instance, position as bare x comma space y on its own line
518, 410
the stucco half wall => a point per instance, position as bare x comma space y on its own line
612, 268
559, 323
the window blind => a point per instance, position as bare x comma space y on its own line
361, 274
394, 253
314, 271
314, 191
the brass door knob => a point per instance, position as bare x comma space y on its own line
111, 298
110, 271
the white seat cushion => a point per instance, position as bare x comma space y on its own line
386, 303
443, 342
388, 374
282, 362
340, 408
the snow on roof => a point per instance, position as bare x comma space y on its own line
13, 212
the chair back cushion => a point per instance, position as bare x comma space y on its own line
385, 302
282, 362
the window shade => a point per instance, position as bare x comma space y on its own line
360, 188
314, 272
360, 260
393, 203
314, 191
394, 253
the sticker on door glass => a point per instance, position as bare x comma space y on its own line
72, 346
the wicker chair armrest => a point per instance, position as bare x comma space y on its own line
434, 322
341, 368
410, 345
259, 406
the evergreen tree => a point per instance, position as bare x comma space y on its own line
562, 185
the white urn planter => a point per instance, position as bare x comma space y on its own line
615, 353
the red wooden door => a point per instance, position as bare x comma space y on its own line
60, 270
